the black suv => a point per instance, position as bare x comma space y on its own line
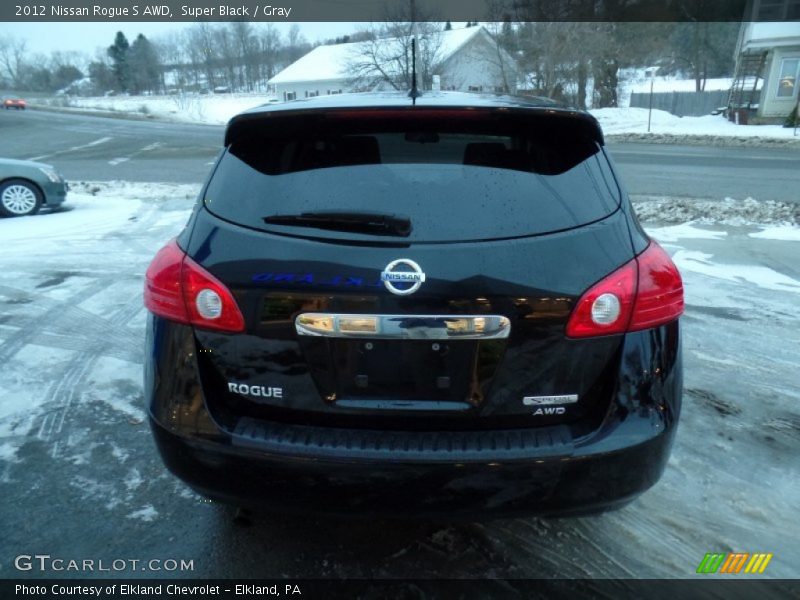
442, 307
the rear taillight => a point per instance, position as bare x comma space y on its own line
659, 298
179, 289
643, 293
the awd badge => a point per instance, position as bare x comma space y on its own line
550, 405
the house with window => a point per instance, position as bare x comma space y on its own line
462, 59
768, 60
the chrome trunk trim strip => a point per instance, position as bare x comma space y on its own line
404, 327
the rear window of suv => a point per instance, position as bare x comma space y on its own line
454, 175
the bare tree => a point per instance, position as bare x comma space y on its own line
236, 54
296, 44
564, 43
177, 70
703, 49
12, 64
202, 51
548, 56
228, 58
501, 31
66, 68
616, 45
270, 47
247, 49
385, 57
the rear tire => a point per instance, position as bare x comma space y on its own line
19, 198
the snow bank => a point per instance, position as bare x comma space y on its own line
670, 84
213, 109
634, 120
747, 212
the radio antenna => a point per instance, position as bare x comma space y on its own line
414, 93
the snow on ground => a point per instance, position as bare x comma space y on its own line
672, 84
729, 211
673, 233
758, 275
786, 233
93, 209
188, 108
70, 305
88, 218
147, 513
634, 120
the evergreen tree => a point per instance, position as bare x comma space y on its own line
118, 52
144, 66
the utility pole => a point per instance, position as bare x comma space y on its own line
650, 110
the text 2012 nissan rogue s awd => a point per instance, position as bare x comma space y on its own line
446, 308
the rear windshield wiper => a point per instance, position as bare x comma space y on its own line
353, 222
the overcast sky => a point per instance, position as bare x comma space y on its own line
87, 37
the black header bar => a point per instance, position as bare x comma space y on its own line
743, 588
262, 11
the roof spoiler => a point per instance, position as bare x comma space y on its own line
276, 123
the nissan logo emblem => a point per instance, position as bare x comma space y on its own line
402, 276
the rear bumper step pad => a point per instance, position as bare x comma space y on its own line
413, 446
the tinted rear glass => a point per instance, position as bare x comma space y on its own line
455, 178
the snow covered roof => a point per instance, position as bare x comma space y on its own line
771, 35
326, 63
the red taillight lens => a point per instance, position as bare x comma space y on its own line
179, 289
210, 304
163, 295
643, 293
620, 284
659, 298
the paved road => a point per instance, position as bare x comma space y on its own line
102, 149
708, 172
87, 148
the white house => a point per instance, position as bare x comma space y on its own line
769, 47
467, 60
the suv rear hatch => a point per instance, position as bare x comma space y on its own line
511, 214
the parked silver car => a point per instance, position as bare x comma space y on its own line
26, 186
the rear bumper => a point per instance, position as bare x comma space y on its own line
300, 468
553, 485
